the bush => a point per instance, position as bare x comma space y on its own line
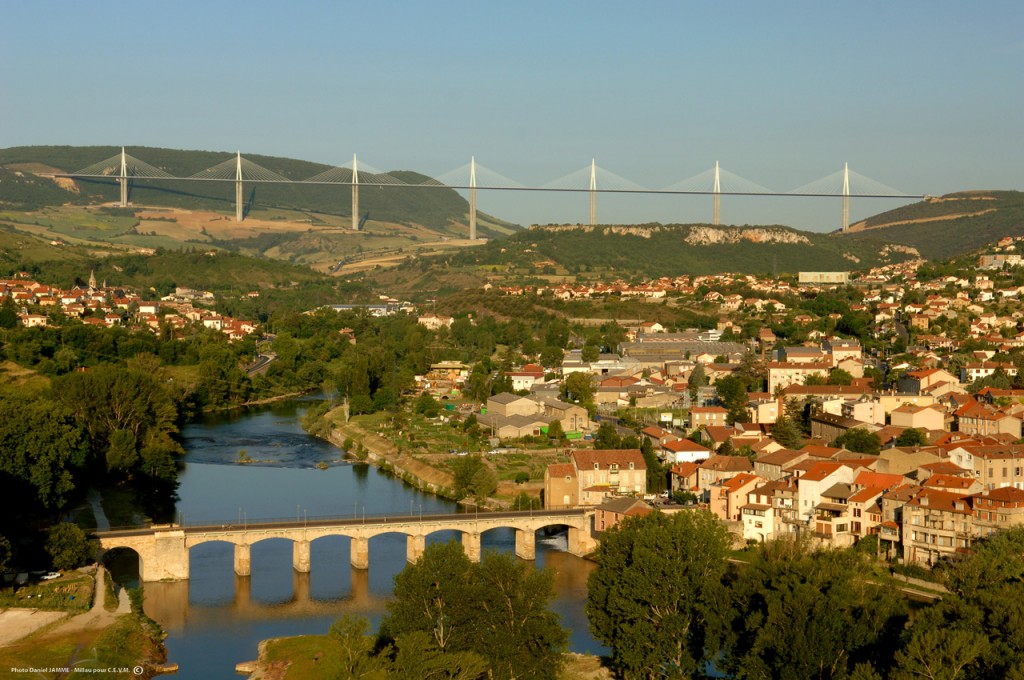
67, 546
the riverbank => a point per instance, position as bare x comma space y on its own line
374, 449
421, 454
308, 656
99, 637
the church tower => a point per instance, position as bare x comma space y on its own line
92, 280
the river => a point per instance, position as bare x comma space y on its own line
216, 619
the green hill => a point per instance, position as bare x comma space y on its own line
668, 250
947, 226
437, 209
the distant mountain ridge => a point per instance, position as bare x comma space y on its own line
947, 226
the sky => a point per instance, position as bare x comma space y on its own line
924, 97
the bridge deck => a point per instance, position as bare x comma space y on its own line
346, 521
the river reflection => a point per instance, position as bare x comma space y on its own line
216, 619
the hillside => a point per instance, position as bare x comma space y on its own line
668, 250
947, 226
308, 225
437, 209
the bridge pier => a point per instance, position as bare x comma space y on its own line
360, 553
243, 559
169, 560
471, 544
581, 542
300, 556
526, 544
414, 547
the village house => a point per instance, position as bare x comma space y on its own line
920, 417
684, 451
707, 416
726, 496
595, 475
716, 468
783, 374
611, 512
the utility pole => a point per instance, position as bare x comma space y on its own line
472, 198
355, 194
593, 193
718, 196
238, 189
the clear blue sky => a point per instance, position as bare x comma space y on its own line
927, 97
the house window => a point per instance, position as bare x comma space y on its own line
568, 478
597, 466
631, 466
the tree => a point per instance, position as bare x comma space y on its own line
43, 446
417, 656
473, 478
5, 552
787, 432
578, 388
859, 440
697, 378
938, 653
590, 353
427, 405
497, 609
656, 475
515, 631
68, 546
351, 635
607, 437
551, 356
912, 437
840, 377
655, 597
122, 455
798, 613
8, 313
555, 431
986, 597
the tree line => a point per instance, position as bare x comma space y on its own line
669, 604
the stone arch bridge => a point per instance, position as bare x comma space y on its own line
163, 550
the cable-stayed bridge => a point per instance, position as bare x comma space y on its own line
592, 179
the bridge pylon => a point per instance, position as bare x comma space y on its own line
846, 197
472, 198
593, 193
238, 188
718, 197
355, 193
122, 179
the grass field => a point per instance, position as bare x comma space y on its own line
25, 379
71, 593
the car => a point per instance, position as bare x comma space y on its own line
50, 576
